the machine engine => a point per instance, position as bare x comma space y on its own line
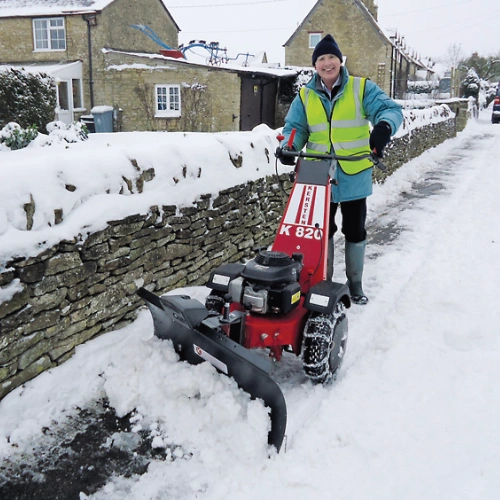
267, 284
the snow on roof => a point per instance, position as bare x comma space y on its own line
52, 69
22, 8
252, 67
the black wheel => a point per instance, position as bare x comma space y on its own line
214, 303
324, 344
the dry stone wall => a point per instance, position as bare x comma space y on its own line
59, 299
79, 289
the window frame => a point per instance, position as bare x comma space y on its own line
168, 113
311, 35
48, 29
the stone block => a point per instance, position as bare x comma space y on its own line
32, 274
39, 366
18, 346
60, 348
95, 252
176, 250
6, 276
42, 321
18, 301
62, 262
33, 353
97, 238
50, 300
8, 370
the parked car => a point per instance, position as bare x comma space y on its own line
495, 116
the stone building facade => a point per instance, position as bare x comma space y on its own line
210, 96
86, 33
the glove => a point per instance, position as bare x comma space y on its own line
286, 160
380, 137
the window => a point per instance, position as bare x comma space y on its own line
63, 95
314, 39
168, 100
49, 34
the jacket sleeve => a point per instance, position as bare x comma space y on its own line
379, 107
296, 119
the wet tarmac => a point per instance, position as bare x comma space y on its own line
78, 456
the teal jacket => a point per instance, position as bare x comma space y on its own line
377, 105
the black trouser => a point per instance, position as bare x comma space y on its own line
353, 220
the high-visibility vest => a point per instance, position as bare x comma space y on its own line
347, 129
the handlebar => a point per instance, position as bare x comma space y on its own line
281, 152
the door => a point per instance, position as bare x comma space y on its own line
258, 101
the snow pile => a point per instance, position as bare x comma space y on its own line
416, 118
7, 292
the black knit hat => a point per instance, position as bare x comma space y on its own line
326, 45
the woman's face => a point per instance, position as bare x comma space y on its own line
328, 68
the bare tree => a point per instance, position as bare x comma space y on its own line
455, 55
144, 92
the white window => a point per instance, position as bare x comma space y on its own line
168, 100
314, 39
49, 34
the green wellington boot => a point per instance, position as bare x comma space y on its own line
354, 263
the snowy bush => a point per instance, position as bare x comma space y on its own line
486, 94
26, 99
13, 136
420, 86
471, 84
74, 132
290, 86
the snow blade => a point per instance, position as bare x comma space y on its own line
198, 337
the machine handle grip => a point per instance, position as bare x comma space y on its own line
281, 138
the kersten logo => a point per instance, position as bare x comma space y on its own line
307, 206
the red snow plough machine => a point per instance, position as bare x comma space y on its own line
281, 300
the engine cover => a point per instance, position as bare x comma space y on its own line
272, 268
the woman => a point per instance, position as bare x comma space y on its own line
332, 113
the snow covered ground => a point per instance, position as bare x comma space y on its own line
414, 412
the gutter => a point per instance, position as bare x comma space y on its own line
91, 20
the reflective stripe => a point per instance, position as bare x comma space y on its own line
358, 122
320, 127
320, 148
358, 97
352, 144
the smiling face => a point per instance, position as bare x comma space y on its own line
328, 68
